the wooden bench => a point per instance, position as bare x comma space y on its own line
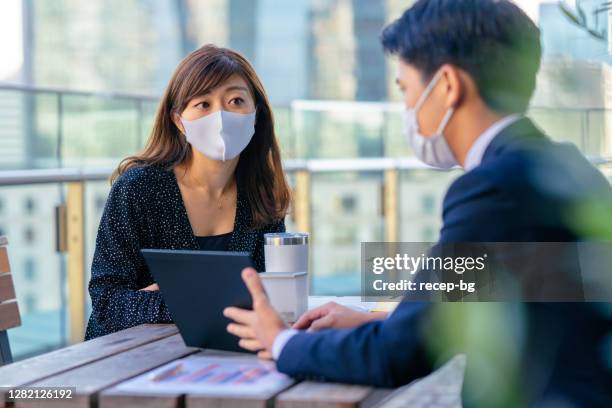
9, 311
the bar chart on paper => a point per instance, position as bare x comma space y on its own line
211, 376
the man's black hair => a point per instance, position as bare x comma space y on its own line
494, 41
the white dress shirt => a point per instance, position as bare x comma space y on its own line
478, 149
280, 341
472, 160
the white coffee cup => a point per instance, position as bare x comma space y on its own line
286, 252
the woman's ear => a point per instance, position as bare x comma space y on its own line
176, 118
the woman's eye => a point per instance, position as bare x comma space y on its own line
203, 105
237, 101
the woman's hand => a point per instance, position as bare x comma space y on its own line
333, 315
151, 288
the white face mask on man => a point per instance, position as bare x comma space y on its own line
220, 135
433, 150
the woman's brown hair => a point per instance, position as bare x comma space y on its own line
259, 173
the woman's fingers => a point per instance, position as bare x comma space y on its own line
151, 288
241, 331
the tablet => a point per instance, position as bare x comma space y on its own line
197, 286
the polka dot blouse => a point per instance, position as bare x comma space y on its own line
145, 210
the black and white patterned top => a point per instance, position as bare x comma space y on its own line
145, 209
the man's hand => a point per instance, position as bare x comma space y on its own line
259, 327
333, 315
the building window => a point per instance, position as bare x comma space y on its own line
29, 235
348, 203
428, 204
29, 301
30, 205
427, 234
30, 269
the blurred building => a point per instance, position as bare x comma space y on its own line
574, 96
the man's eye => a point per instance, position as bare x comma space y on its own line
237, 101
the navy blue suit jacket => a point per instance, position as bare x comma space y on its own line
526, 189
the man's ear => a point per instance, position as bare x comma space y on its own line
176, 118
454, 88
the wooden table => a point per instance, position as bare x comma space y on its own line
95, 367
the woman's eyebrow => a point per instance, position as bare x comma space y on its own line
237, 88
228, 89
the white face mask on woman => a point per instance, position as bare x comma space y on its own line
433, 150
220, 135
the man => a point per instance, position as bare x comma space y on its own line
467, 70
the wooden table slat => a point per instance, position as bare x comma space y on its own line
118, 399
201, 401
92, 378
311, 394
58, 361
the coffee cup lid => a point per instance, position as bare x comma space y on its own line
286, 238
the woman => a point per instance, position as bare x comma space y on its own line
209, 178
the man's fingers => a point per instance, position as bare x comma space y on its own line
307, 318
253, 283
239, 315
264, 355
240, 330
303, 322
251, 344
322, 323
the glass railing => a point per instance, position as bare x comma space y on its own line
50, 128
332, 153
46, 128
27, 218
